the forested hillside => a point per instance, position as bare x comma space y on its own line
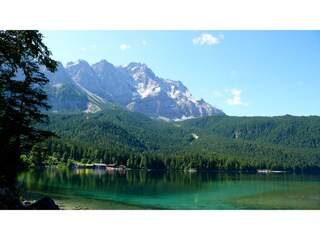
287, 131
209, 143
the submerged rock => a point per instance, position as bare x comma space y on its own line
45, 203
10, 201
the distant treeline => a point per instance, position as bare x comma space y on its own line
218, 143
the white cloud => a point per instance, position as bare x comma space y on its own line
144, 42
207, 39
124, 47
94, 46
236, 99
83, 49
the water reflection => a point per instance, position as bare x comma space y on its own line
168, 189
132, 182
102, 178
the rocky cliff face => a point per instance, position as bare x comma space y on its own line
134, 86
118, 86
63, 93
164, 98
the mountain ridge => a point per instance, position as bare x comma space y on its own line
134, 86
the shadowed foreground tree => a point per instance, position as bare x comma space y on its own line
22, 99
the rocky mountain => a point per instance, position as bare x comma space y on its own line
63, 94
158, 97
79, 86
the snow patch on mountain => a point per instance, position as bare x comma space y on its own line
133, 85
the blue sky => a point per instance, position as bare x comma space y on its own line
244, 73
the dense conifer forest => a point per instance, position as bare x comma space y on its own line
218, 143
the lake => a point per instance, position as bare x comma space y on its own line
173, 190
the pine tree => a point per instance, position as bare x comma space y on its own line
22, 98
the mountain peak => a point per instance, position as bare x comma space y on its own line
103, 62
79, 63
139, 70
136, 87
135, 65
103, 65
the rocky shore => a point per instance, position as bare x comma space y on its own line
10, 201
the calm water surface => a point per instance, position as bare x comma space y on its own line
101, 189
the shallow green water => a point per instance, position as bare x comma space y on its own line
100, 189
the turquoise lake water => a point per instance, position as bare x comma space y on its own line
173, 190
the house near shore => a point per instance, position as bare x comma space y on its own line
100, 165
115, 166
94, 165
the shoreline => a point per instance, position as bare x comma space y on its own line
80, 203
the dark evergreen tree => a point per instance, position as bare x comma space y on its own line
22, 99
